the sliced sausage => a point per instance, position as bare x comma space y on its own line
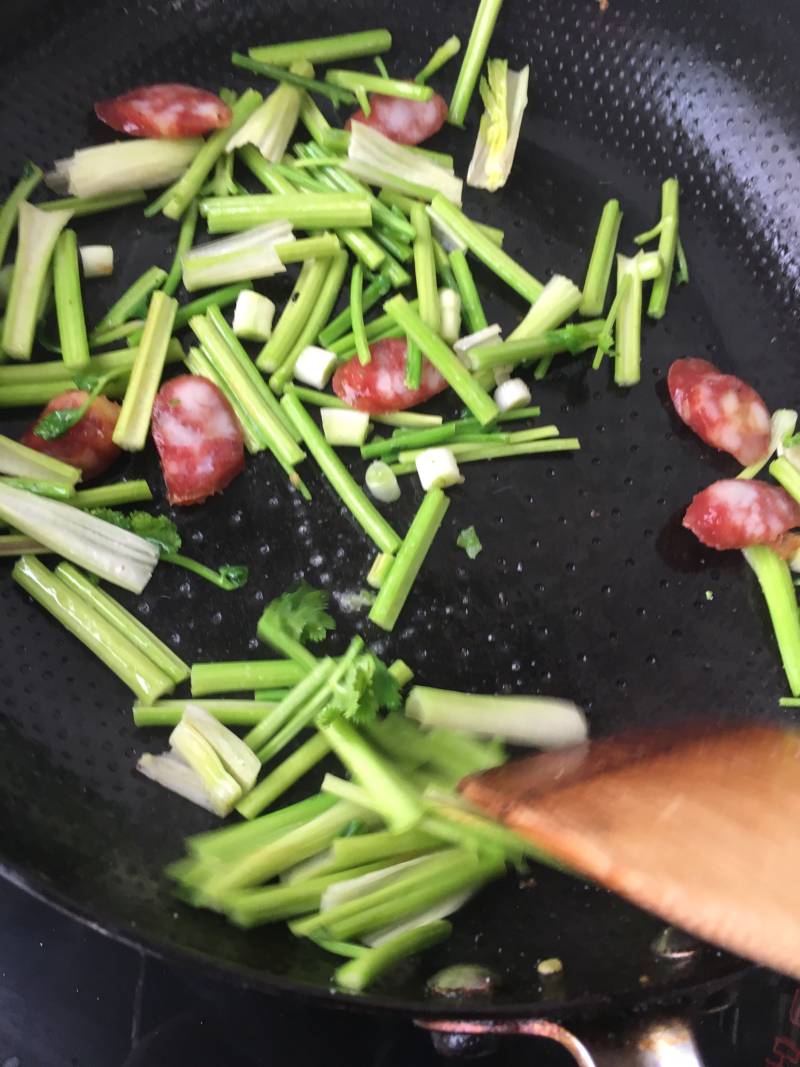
168, 110
721, 409
379, 386
736, 514
403, 121
88, 444
198, 438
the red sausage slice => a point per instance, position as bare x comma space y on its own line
88, 443
403, 121
168, 110
379, 387
721, 409
198, 438
735, 514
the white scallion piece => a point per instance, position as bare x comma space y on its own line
381, 482
505, 96
343, 427
97, 261
123, 166
378, 160
237, 758
512, 393
314, 366
437, 468
252, 316
474, 340
241, 257
449, 315
559, 299
172, 773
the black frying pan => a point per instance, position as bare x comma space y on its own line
586, 587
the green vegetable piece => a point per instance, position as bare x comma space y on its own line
470, 542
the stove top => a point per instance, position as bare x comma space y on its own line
70, 997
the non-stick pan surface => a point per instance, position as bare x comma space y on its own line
586, 586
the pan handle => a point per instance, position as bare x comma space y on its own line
663, 1041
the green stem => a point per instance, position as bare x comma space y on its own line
342, 482
356, 80
667, 246
198, 363
425, 269
775, 580
22, 462
228, 712
358, 973
233, 677
185, 242
325, 49
628, 361
307, 211
69, 303
135, 491
443, 54
29, 179
413, 375
304, 297
601, 261
132, 302
475, 53
284, 776
320, 130
785, 472
381, 845
336, 328
336, 95
574, 339
412, 419
219, 298
81, 206
357, 314
233, 841
130, 433
324, 244
102, 638
271, 633
449, 366
471, 307
383, 446
218, 578
132, 330
309, 684
19, 545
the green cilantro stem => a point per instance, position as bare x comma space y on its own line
81, 206
601, 261
284, 776
357, 314
436, 435
374, 83
320, 130
443, 54
324, 49
308, 685
667, 247
118, 652
208, 679
124, 622
176, 200
303, 299
132, 330
477, 46
29, 179
132, 302
380, 327
425, 269
314, 211
682, 269
324, 244
573, 338
441, 356
130, 433
271, 633
69, 302
333, 93
228, 712
411, 419
358, 973
775, 579
471, 306
342, 482
231, 841
409, 559
108, 496
185, 241
338, 327
218, 578
481, 453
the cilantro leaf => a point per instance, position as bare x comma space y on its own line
468, 540
365, 689
57, 422
158, 529
301, 613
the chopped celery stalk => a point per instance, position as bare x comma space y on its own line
108, 496
6, 274
184, 243
344, 428
284, 776
443, 54
49, 378
271, 125
69, 302
542, 722
468, 540
359, 80
471, 306
252, 316
132, 330
304, 692
179, 196
410, 557
123, 622
339, 326
437, 468
38, 234
650, 265
97, 261
382, 326
682, 268
314, 366
336, 95
229, 712
425, 269
628, 361
449, 315
235, 677
130, 433
29, 179
324, 49
100, 547
573, 339
126, 166
397, 802
240, 838
475, 53
343, 483
482, 247
453, 754
783, 423
306, 211
23, 462
237, 759
558, 300
18, 545
489, 335
357, 316
192, 747
172, 773
377, 157
81, 206
303, 299
133, 300
512, 393
787, 474
52, 490
505, 96
324, 244
380, 845
381, 483
320, 130
411, 439
318, 315
601, 261
381, 565
413, 375
449, 366
667, 247
243, 256
109, 644
775, 579
349, 889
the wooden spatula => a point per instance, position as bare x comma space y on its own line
700, 827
